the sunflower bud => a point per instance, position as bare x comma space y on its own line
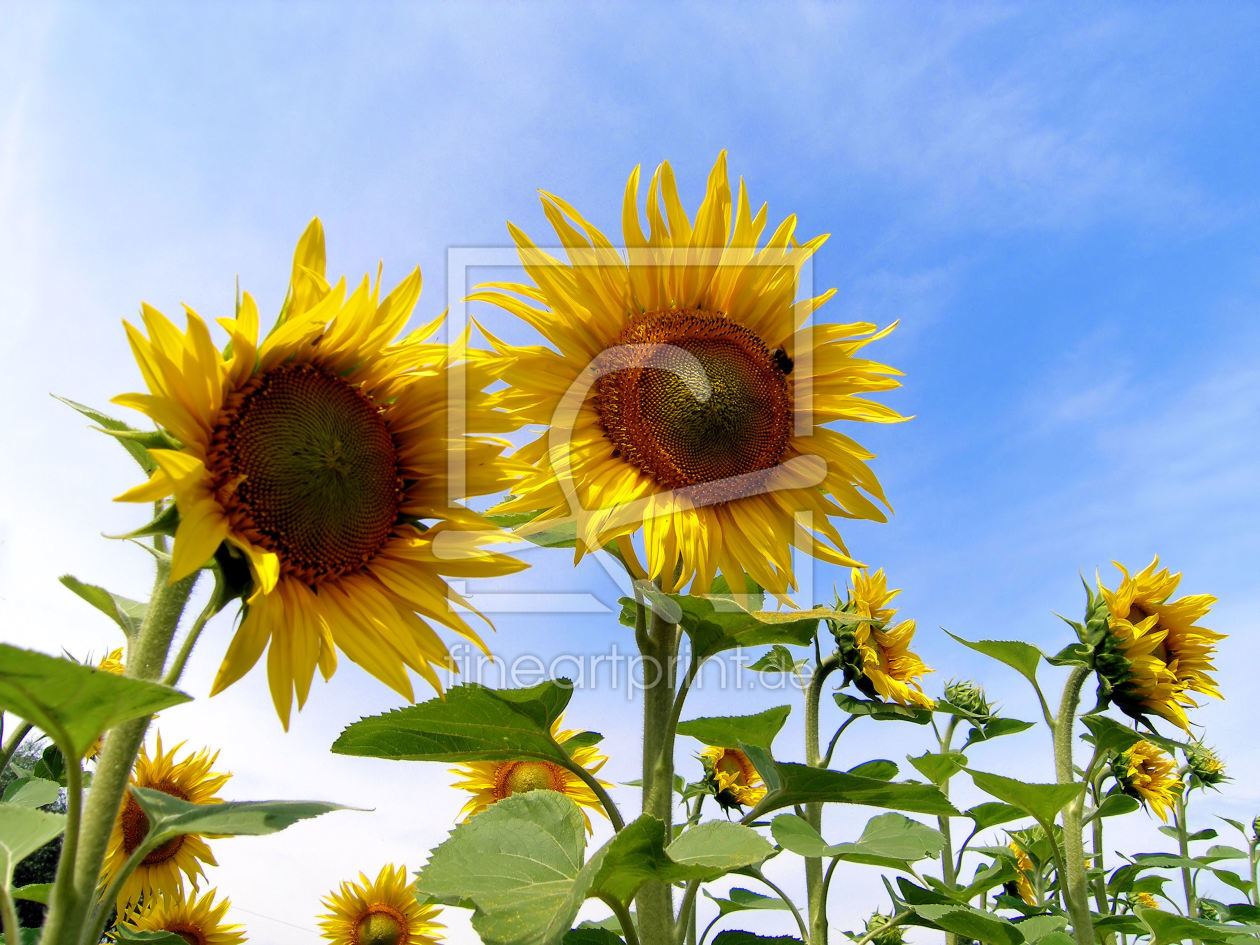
1208, 911
1143, 899
1206, 768
878, 923
969, 697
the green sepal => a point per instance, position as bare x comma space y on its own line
166, 522
134, 441
124, 611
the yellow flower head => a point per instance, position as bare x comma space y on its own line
876, 656
492, 781
1155, 654
112, 663
380, 912
321, 456
1150, 774
733, 777
1205, 766
1024, 866
682, 393
197, 921
1144, 899
163, 870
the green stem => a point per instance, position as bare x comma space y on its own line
8, 912
592, 782
623, 918
213, 606
1183, 843
899, 919
1075, 891
13, 743
1100, 882
68, 912
813, 812
63, 881
1255, 862
835, 740
655, 900
948, 874
687, 912
796, 913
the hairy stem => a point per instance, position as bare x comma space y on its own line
14, 742
814, 885
1075, 891
1183, 844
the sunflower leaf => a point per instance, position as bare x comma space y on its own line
73, 703
31, 792
1041, 801
1019, 656
883, 711
732, 731
740, 937
134, 441
742, 900
128, 936
170, 816
1167, 928
888, 840
124, 611
778, 659
23, 830
801, 784
470, 723
970, 923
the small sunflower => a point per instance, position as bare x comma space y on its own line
322, 457
1154, 653
1023, 886
380, 912
492, 781
1204, 765
682, 394
163, 870
1143, 899
877, 657
112, 663
733, 777
1150, 774
196, 921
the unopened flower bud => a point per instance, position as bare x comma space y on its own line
969, 697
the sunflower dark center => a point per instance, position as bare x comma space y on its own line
520, 777
189, 933
694, 397
305, 466
380, 925
135, 826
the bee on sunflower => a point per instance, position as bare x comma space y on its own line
732, 778
322, 458
683, 395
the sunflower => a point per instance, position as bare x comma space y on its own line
682, 393
876, 657
733, 777
384, 912
1154, 654
163, 870
1204, 765
196, 921
1023, 886
1149, 774
323, 456
1143, 899
112, 663
492, 781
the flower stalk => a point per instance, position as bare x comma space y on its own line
816, 888
1075, 891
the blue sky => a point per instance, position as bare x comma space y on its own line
1058, 201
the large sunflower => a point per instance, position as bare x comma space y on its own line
379, 912
196, 921
1149, 774
683, 394
163, 870
492, 781
1154, 654
876, 657
324, 456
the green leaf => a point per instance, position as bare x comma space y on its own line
732, 731
743, 900
1114, 805
1036, 928
170, 816
779, 659
1167, 928
588, 936
883, 711
25, 937
124, 611
992, 813
936, 767
31, 792
970, 923
34, 892
802, 784
134, 441
739, 937
74, 704
1042, 801
1055, 938
51, 766
888, 840
880, 768
715, 848
1019, 656
715, 624
1108, 735
129, 936
23, 830
470, 723
995, 728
